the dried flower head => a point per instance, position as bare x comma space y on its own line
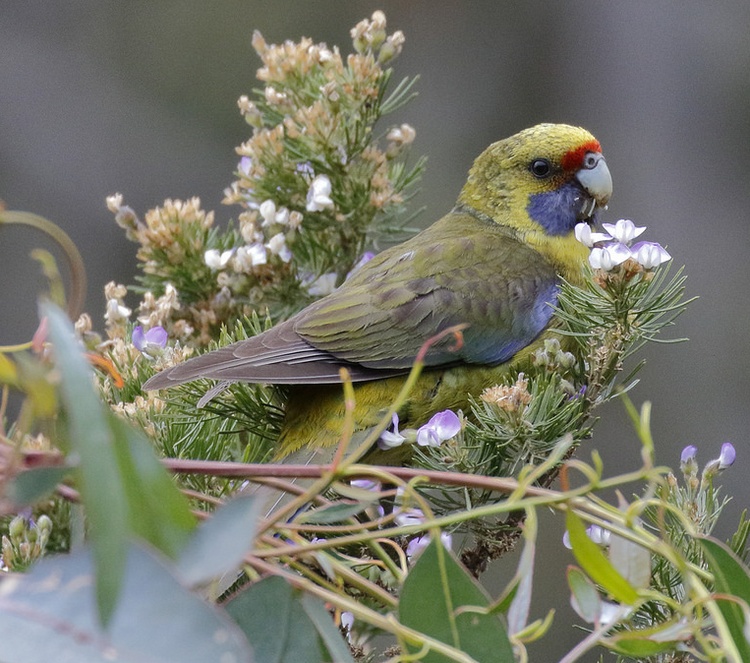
510, 398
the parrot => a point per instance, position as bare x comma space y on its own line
492, 264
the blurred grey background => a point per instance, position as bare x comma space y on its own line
98, 96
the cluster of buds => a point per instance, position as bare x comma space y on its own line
371, 37
25, 542
300, 178
313, 184
553, 358
613, 254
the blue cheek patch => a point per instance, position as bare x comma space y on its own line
557, 211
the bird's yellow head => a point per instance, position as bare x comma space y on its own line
546, 178
541, 182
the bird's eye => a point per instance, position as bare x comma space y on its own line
540, 168
590, 161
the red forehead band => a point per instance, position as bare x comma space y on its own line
573, 159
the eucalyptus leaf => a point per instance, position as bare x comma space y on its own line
157, 511
276, 620
584, 599
634, 646
630, 560
440, 599
591, 558
731, 577
99, 480
32, 485
335, 513
220, 543
50, 614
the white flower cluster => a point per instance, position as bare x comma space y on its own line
255, 253
612, 248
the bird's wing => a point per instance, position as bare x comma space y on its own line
461, 270
469, 273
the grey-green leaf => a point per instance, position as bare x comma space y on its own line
284, 626
220, 543
437, 599
99, 480
34, 484
49, 614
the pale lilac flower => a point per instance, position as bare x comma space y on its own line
587, 237
725, 460
277, 246
388, 439
347, 622
319, 194
441, 427
688, 464
149, 343
418, 544
216, 260
367, 484
688, 454
366, 257
608, 257
597, 534
650, 254
305, 168
624, 231
354, 638
245, 165
727, 455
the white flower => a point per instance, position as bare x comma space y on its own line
650, 254
116, 312
216, 260
624, 231
597, 534
608, 257
272, 215
114, 202
410, 516
418, 544
295, 219
403, 135
274, 97
250, 256
323, 285
390, 439
267, 210
588, 238
277, 246
319, 194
